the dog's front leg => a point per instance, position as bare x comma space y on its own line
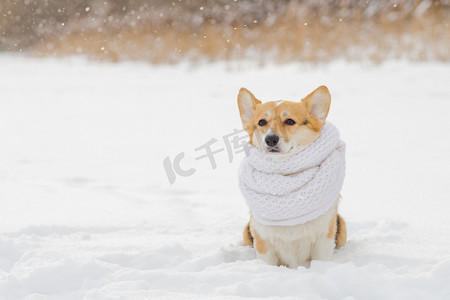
269, 257
323, 248
264, 250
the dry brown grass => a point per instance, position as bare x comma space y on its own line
166, 31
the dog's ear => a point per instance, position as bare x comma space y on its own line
247, 105
318, 103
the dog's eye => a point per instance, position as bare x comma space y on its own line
262, 122
289, 122
305, 122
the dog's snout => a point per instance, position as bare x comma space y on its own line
272, 140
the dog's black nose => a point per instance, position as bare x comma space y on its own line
272, 140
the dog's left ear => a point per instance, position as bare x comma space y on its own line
318, 103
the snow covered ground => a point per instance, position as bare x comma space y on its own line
87, 211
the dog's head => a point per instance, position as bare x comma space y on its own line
283, 128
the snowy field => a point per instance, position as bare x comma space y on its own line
87, 211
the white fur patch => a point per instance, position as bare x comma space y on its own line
278, 102
297, 245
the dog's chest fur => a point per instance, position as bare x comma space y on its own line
296, 245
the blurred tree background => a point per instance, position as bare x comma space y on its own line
162, 31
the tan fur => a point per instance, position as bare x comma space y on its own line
333, 227
341, 238
313, 109
248, 239
259, 243
276, 115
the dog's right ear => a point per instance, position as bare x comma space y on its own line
247, 106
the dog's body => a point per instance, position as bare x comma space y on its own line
280, 129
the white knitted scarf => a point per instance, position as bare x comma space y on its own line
298, 189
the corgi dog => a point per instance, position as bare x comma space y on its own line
279, 130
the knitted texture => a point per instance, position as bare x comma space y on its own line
298, 189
